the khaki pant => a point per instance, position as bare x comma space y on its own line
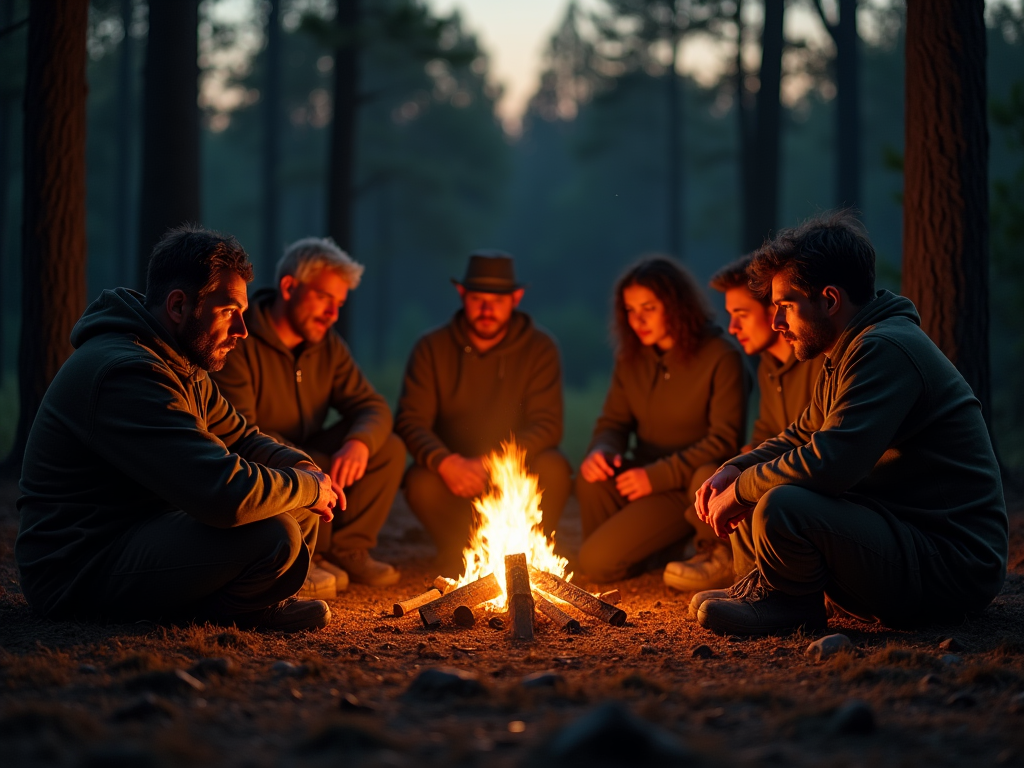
173, 566
618, 534
448, 517
867, 562
369, 498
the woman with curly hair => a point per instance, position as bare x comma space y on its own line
678, 394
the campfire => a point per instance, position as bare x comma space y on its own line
509, 565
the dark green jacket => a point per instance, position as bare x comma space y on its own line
785, 390
128, 430
287, 394
684, 413
894, 426
457, 400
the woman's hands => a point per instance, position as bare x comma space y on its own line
633, 484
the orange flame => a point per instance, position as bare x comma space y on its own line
509, 523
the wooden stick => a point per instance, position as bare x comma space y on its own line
444, 585
556, 615
480, 591
612, 597
520, 597
408, 606
579, 598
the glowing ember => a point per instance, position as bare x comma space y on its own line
509, 522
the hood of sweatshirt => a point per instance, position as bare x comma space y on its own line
121, 312
258, 324
885, 306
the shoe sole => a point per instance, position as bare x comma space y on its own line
728, 628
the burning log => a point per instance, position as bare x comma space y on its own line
480, 591
444, 585
520, 597
556, 615
408, 606
612, 597
576, 597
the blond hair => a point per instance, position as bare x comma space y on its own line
308, 257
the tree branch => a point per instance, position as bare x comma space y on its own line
829, 26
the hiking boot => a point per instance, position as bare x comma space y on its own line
363, 569
294, 615
708, 569
708, 594
320, 584
754, 608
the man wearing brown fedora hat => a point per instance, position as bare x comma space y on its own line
488, 374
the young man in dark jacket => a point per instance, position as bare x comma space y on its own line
144, 493
884, 496
785, 386
488, 374
288, 374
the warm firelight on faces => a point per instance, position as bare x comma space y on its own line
312, 305
509, 523
750, 321
645, 313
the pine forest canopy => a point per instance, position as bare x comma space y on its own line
615, 159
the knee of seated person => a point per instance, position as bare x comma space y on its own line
421, 485
551, 463
781, 504
594, 562
280, 530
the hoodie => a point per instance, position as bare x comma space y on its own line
130, 429
288, 393
893, 426
458, 400
683, 413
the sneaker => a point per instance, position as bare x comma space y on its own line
340, 576
320, 584
735, 590
757, 609
363, 569
709, 569
294, 615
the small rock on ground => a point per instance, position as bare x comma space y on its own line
543, 680
444, 682
827, 646
854, 718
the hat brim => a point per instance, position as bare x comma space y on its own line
483, 285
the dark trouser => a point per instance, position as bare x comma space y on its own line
618, 534
448, 517
174, 566
867, 562
369, 498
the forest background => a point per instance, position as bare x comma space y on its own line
615, 159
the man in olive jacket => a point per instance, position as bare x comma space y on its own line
487, 375
885, 495
291, 370
144, 493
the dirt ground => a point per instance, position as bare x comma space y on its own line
89, 695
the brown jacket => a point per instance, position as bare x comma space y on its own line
129, 430
785, 390
684, 413
288, 393
457, 400
893, 426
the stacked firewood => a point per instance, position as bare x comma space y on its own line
530, 591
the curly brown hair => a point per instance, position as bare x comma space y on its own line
688, 315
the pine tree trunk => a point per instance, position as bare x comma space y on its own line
6, 111
53, 231
761, 198
271, 144
170, 124
848, 128
674, 165
124, 222
341, 186
945, 199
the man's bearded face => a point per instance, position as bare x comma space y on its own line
211, 331
804, 321
312, 305
488, 314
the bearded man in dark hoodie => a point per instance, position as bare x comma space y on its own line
884, 498
144, 493
286, 376
487, 375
